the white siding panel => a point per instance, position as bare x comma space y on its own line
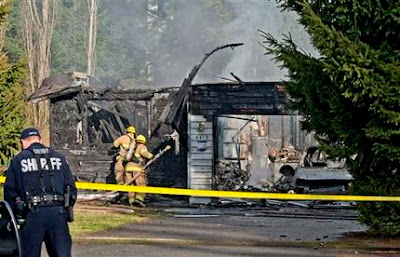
202, 181
201, 169
200, 163
201, 154
202, 124
200, 137
196, 118
201, 186
201, 176
206, 131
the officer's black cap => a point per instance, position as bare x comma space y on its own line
29, 132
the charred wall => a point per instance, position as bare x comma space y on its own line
170, 170
263, 98
105, 119
64, 122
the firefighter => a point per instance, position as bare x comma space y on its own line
136, 165
126, 144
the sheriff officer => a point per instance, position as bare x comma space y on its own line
39, 184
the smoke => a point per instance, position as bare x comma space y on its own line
184, 30
249, 62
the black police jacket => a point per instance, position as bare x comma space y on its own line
23, 174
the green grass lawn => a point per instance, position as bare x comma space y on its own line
87, 222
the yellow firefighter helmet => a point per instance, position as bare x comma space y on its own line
130, 129
141, 139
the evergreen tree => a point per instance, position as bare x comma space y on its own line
13, 46
349, 95
11, 103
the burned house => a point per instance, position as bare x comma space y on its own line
220, 132
86, 117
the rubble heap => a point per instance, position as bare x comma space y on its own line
229, 176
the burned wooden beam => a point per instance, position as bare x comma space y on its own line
97, 137
105, 130
238, 79
127, 96
238, 118
106, 109
113, 132
182, 97
130, 94
118, 118
174, 112
149, 116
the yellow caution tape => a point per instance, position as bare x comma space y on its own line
232, 194
228, 194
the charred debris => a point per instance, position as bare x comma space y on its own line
87, 116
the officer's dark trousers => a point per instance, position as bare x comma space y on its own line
49, 225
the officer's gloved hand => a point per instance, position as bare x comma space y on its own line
70, 212
20, 211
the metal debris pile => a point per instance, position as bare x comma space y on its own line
229, 176
288, 154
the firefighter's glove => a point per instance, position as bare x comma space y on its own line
135, 159
113, 151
